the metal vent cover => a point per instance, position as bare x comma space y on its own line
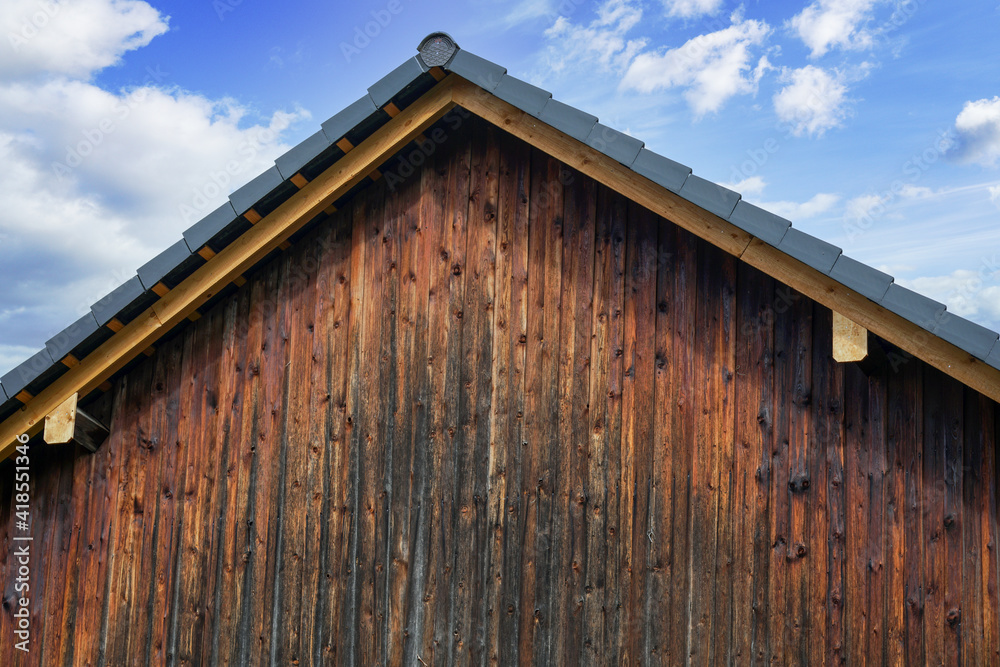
437, 49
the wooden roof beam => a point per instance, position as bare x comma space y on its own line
69, 424
850, 339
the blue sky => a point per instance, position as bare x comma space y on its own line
873, 124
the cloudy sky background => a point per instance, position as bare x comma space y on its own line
873, 124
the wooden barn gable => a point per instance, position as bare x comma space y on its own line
467, 376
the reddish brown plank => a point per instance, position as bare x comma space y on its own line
753, 380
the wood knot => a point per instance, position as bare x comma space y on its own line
954, 616
949, 521
798, 484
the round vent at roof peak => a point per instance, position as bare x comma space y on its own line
437, 49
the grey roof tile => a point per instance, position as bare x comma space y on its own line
568, 120
915, 307
971, 337
155, 269
348, 118
248, 195
810, 250
117, 300
993, 358
3, 392
614, 144
479, 71
763, 224
710, 196
526, 97
302, 154
26, 372
386, 88
661, 170
861, 278
198, 234
63, 342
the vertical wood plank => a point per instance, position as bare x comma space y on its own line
659, 595
754, 409
876, 520
514, 210
684, 437
614, 581
573, 413
953, 520
932, 516
896, 443
911, 406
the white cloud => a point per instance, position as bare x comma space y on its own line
72, 37
691, 8
826, 24
528, 10
995, 195
978, 129
748, 187
95, 182
910, 191
967, 293
794, 211
812, 101
752, 189
712, 67
861, 208
602, 42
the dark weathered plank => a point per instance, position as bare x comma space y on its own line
935, 563
910, 427
802, 493
876, 522
456, 215
823, 409
514, 207
751, 466
659, 595
406, 257
973, 478
336, 274
895, 513
614, 579
988, 517
953, 520
573, 412
135, 465
683, 431
637, 424
377, 304
724, 369
290, 640
782, 548
472, 436
857, 459
428, 433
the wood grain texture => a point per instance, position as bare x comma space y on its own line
497, 413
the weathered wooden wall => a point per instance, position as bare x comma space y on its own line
502, 414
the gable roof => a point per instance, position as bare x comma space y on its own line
329, 167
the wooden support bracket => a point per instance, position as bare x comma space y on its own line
69, 424
850, 340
